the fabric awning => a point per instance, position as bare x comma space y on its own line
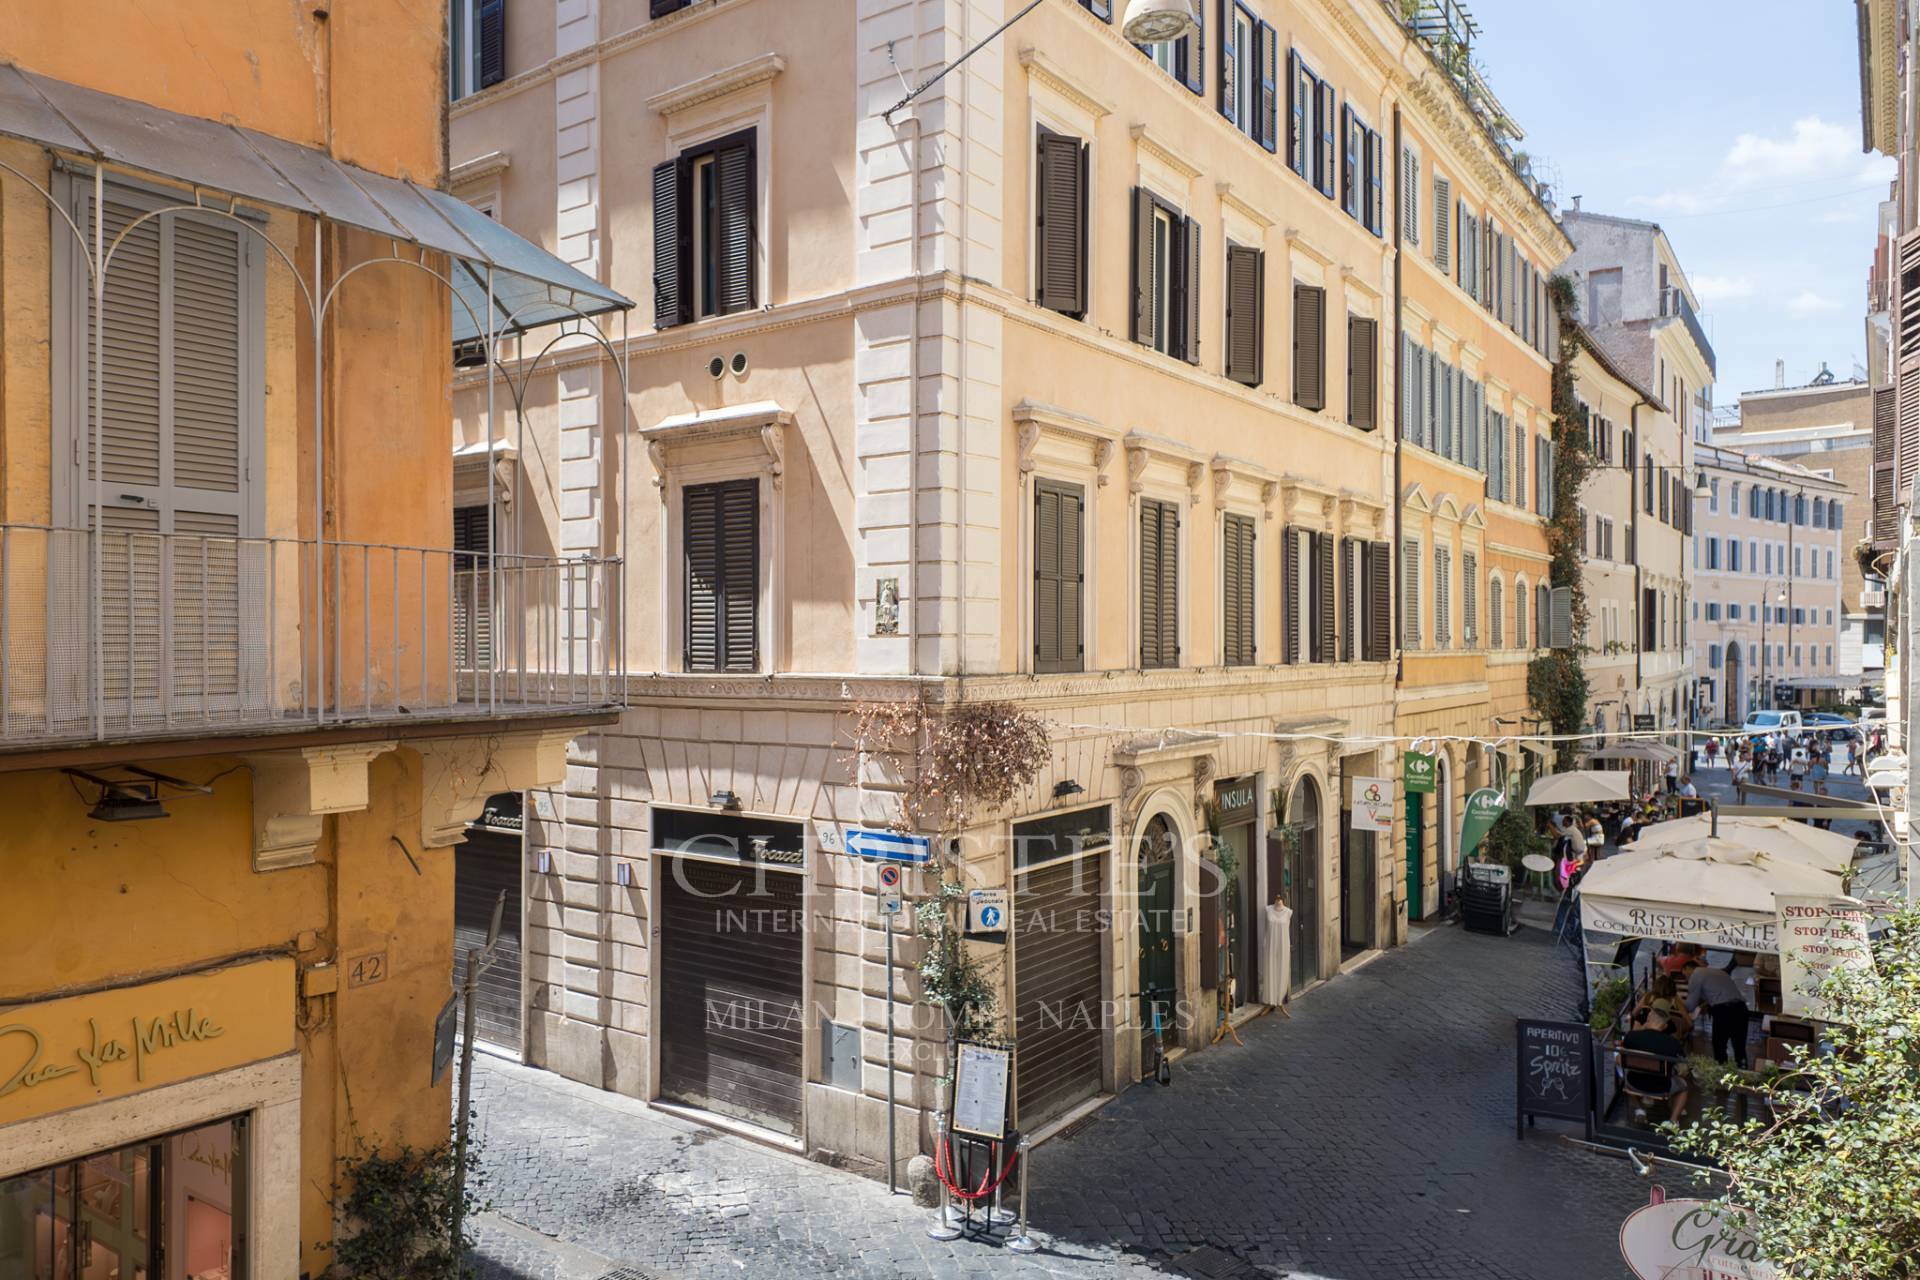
1718, 893
1578, 787
1651, 752
531, 287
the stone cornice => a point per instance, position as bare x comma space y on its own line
1467, 140
1245, 208
1226, 467
1034, 419
761, 422
1048, 72
1149, 141
743, 75
490, 165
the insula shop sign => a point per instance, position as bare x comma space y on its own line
1717, 929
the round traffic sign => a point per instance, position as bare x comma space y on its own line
889, 877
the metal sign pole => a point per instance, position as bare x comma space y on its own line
478, 962
892, 1148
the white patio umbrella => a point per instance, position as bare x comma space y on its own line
1780, 837
1716, 892
1581, 786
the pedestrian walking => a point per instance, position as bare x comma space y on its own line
1713, 749
1853, 757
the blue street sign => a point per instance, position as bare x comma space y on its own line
888, 846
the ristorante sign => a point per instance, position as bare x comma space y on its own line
1720, 930
67, 1053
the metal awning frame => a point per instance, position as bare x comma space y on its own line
499, 322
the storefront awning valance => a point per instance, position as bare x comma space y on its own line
1651, 752
530, 287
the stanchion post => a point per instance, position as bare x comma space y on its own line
942, 1228
1021, 1242
1000, 1215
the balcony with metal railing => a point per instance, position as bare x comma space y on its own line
125, 635
1675, 303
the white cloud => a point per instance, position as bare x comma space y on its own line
1809, 303
1849, 216
1712, 289
1814, 158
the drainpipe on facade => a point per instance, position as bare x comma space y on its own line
913, 377
1633, 508
1399, 426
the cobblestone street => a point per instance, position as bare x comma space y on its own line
1369, 1137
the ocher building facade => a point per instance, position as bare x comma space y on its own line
241, 721
1070, 383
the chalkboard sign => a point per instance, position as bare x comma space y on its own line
1554, 1066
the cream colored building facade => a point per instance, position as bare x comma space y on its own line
1771, 538
1638, 560
1069, 384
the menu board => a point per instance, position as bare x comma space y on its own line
1554, 1068
980, 1091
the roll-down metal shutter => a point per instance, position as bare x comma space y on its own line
487, 863
730, 951
1057, 981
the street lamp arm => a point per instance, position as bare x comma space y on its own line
943, 72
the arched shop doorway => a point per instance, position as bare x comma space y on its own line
1359, 867
1159, 866
1300, 883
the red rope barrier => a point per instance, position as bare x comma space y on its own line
941, 1160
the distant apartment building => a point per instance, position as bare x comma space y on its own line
1636, 303
1637, 513
1175, 394
1827, 427
1769, 545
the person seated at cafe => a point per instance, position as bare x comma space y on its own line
1654, 1036
1717, 992
1687, 789
1663, 995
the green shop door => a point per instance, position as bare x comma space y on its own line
1416, 836
1157, 865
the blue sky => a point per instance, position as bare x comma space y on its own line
1736, 126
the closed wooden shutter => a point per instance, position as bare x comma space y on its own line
1886, 504
1349, 628
1061, 236
182, 627
1496, 618
672, 244
490, 49
472, 589
1058, 995
1328, 169
1291, 592
1443, 598
1239, 563
1059, 577
1269, 135
1227, 98
1442, 231
1519, 464
1489, 256
1301, 94
1309, 346
1379, 575
1246, 305
1410, 594
731, 1009
1409, 196
1186, 288
1363, 372
734, 165
1143, 272
1159, 584
1326, 622
722, 552
1470, 600
1192, 51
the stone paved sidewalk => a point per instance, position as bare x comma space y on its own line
1369, 1137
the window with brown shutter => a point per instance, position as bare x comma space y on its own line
1309, 346
721, 548
1246, 314
1409, 195
1442, 228
1442, 598
1410, 594
1292, 617
1327, 171
1166, 278
1267, 133
1060, 234
1238, 565
1159, 583
1363, 372
1059, 577
705, 232
1377, 569
1470, 600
